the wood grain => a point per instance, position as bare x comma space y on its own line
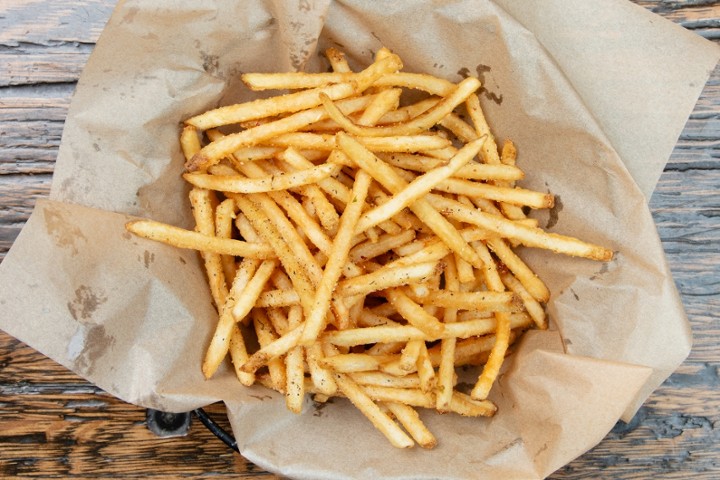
54, 424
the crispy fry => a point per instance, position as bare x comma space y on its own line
532, 237
378, 418
410, 419
386, 278
385, 175
182, 238
271, 183
337, 60
220, 342
202, 207
418, 187
416, 125
338, 256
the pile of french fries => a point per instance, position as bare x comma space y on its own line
358, 248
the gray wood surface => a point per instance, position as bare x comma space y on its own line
54, 424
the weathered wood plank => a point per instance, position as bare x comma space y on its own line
61, 435
71, 21
31, 128
700, 16
32, 66
19, 194
23, 367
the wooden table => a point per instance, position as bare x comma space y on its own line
54, 424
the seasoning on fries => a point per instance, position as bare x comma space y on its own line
367, 247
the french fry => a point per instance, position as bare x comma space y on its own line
414, 313
385, 278
181, 238
387, 176
446, 363
532, 306
202, 207
409, 358
481, 301
352, 362
239, 355
515, 196
408, 396
338, 256
224, 216
468, 407
471, 171
386, 101
418, 187
212, 153
409, 418
381, 379
272, 183
220, 342
531, 237
364, 403
337, 60
269, 107
189, 141
417, 125
266, 334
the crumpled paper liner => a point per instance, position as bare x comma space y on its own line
594, 96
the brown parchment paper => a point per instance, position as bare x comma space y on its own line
135, 316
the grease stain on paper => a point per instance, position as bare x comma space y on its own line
262, 398
320, 406
87, 346
494, 97
482, 70
130, 15
63, 232
554, 212
85, 303
603, 269
148, 258
211, 63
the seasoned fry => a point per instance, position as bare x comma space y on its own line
532, 237
202, 202
390, 179
418, 187
386, 278
271, 183
414, 313
471, 171
337, 257
213, 152
378, 418
515, 196
181, 238
220, 342
416, 125
481, 301
352, 362
360, 246
410, 419
337, 60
